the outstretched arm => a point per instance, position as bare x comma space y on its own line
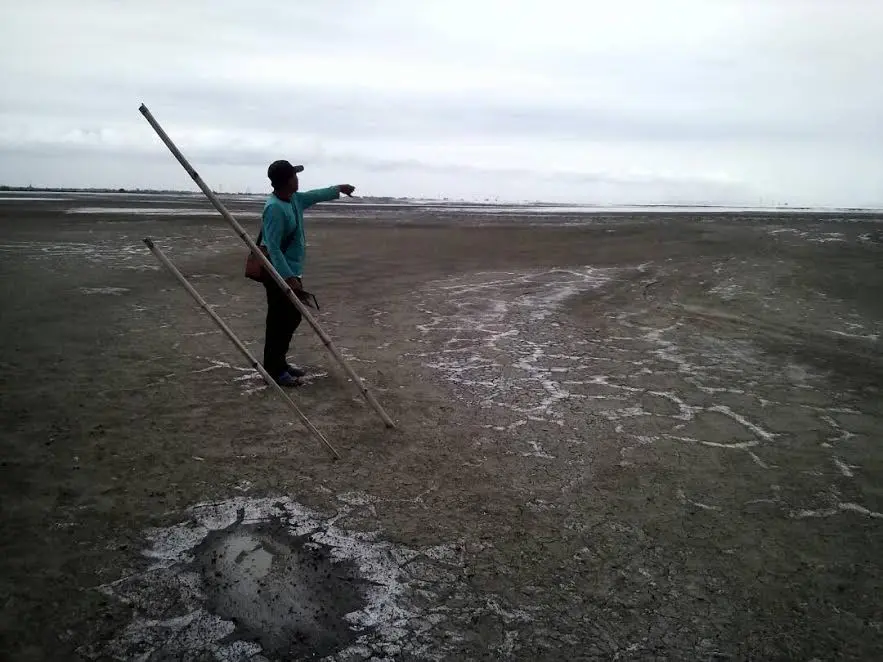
310, 198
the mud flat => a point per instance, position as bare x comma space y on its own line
621, 436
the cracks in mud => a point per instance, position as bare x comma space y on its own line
501, 340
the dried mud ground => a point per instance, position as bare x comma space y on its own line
619, 437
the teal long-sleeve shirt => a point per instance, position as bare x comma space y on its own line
281, 219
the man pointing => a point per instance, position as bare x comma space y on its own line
282, 232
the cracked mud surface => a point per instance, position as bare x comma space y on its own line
621, 437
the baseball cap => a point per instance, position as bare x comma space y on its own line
281, 171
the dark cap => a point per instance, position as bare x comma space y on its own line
281, 171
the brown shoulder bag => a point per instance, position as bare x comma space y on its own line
254, 270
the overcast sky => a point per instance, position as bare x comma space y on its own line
722, 101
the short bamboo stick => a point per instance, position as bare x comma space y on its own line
241, 347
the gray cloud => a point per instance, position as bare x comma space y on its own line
726, 101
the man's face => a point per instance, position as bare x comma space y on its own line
293, 183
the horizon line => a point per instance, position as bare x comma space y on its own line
6, 188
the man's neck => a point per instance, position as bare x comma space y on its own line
282, 196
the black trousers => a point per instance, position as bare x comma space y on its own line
282, 321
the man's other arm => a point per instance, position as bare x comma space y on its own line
273, 226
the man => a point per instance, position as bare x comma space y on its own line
282, 232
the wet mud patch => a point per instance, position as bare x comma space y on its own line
268, 579
284, 592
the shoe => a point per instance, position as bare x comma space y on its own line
288, 380
294, 371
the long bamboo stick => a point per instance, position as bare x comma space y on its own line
242, 348
326, 340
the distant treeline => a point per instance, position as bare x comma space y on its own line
40, 189
149, 191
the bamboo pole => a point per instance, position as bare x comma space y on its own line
326, 340
242, 348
